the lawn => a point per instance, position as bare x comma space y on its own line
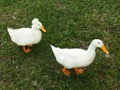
69, 23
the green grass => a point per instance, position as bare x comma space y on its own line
69, 23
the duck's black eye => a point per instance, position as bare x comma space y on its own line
98, 42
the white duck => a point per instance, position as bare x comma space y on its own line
26, 37
77, 58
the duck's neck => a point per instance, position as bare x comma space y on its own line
91, 48
34, 28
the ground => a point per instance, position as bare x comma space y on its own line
69, 23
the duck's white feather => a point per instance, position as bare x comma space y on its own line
25, 36
72, 58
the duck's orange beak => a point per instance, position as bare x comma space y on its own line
43, 29
104, 49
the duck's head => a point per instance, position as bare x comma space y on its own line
36, 24
99, 43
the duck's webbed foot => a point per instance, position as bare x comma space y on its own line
66, 72
78, 71
26, 49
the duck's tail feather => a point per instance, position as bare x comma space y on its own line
53, 48
11, 33
9, 30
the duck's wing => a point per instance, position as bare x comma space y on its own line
22, 32
19, 36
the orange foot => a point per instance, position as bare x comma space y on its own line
66, 72
78, 71
26, 49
